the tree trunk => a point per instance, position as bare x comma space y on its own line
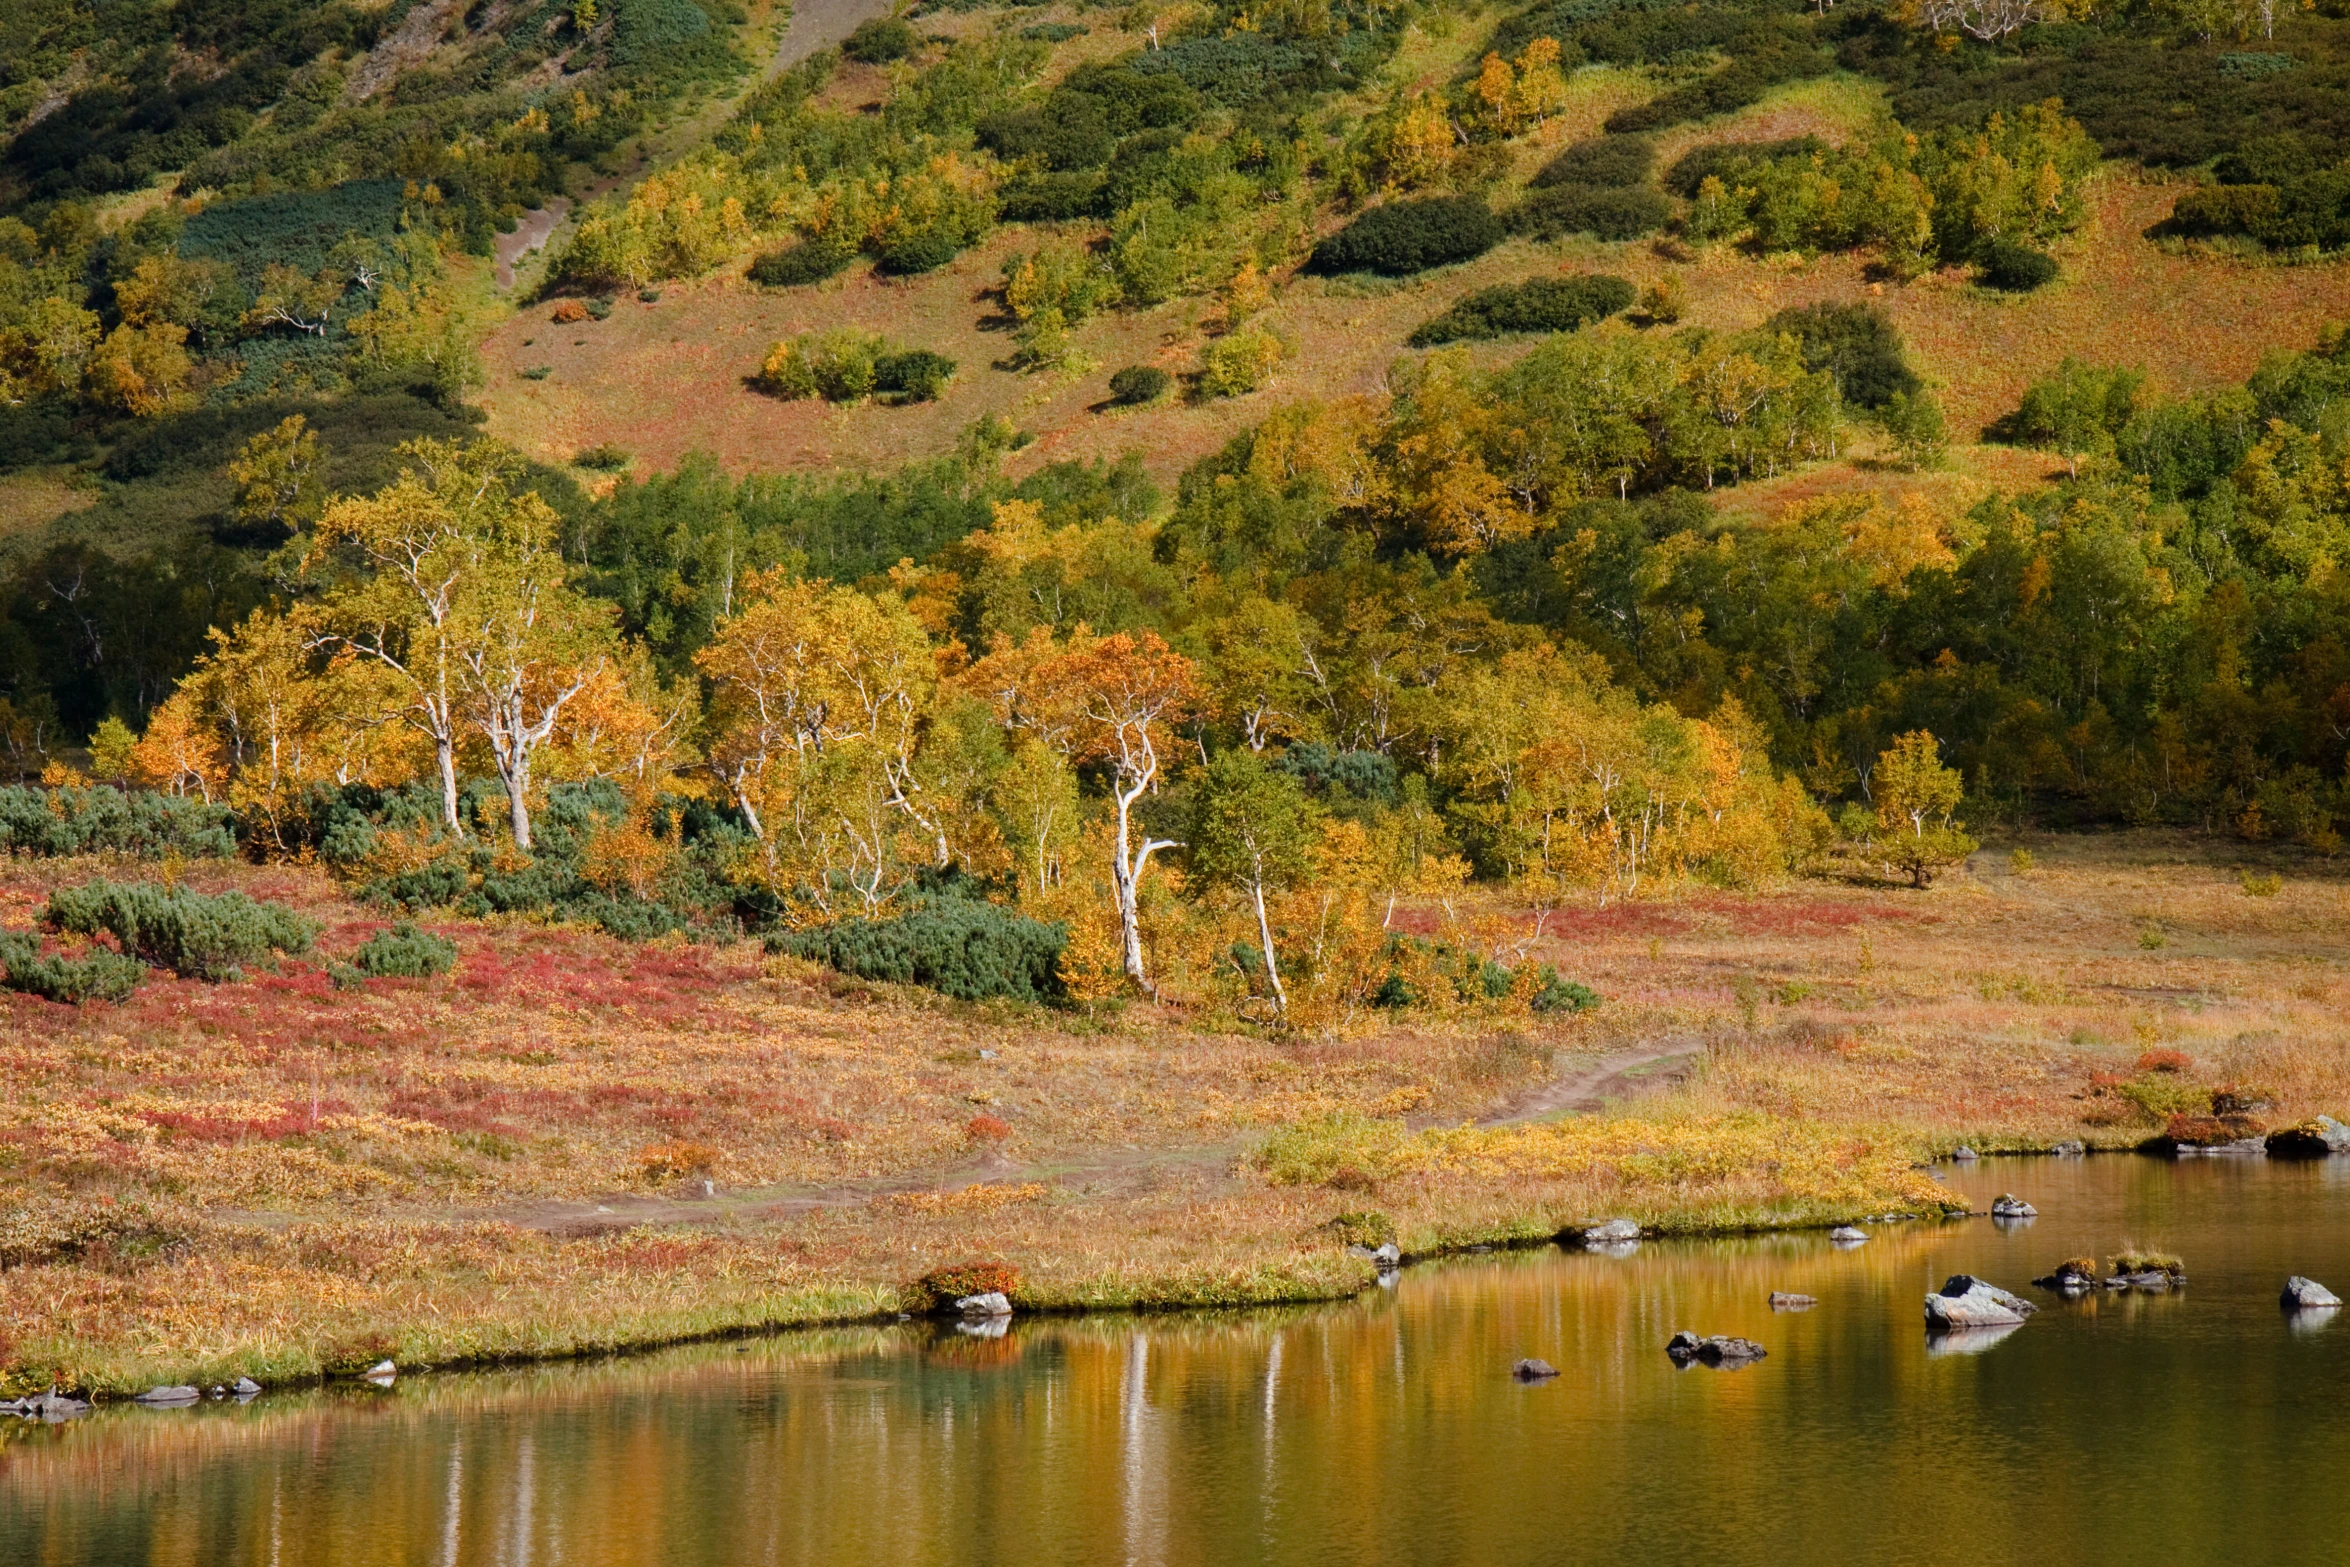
1272, 967
445, 750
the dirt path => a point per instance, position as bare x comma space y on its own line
532, 233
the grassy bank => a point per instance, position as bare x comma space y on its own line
279, 1178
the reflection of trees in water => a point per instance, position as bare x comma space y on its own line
1386, 1428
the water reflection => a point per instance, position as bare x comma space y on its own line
1384, 1429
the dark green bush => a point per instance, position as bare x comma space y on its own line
809, 261
2016, 267
1053, 197
1549, 304
98, 976
1404, 237
1610, 161
962, 947
1139, 384
1856, 345
405, 952
606, 458
104, 820
916, 375
207, 936
879, 41
1741, 82
1603, 212
1052, 32
1562, 995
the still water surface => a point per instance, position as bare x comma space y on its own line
2203, 1426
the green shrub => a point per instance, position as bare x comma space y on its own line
195, 935
1404, 237
839, 366
606, 458
1856, 345
98, 976
1742, 81
1139, 384
1240, 362
964, 948
809, 261
101, 819
2015, 267
1611, 161
1727, 160
879, 41
915, 375
1553, 304
1562, 995
538, 372
1052, 32
405, 952
1600, 211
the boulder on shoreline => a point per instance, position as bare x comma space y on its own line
1964, 1155
2316, 1138
48, 1408
2070, 1148
992, 1303
177, 1393
1613, 1233
1965, 1301
1721, 1349
1533, 1370
2307, 1295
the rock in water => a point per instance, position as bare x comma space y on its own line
381, 1373
1848, 1235
1721, 1349
2072, 1148
1388, 1257
179, 1394
2007, 1205
1531, 1370
992, 1304
2307, 1295
244, 1387
1783, 1300
1964, 1154
2312, 1139
1614, 1232
1965, 1301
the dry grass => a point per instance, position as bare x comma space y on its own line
276, 1177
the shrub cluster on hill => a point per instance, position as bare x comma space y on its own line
105, 820
962, 947
1551, 304
845, 364
1404, 237
405, 952
98, 975
208, 936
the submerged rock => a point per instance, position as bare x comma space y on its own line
2007, 1205
1784, 1300
1613, 1233
2312, 1139
1965, 1301
993, 1303
1721, 1349
178, 1393
1532, 1370
2307, 1295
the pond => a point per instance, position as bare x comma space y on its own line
2197, 1426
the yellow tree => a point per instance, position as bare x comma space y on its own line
1101, 699
276, 475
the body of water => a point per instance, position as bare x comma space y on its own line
2200, 1426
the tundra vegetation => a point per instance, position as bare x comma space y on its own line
402, 825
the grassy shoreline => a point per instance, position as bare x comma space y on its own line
281, 1179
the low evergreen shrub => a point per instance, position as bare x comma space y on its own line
809, 261
1054, 196
98, 975
1603, 212
405, 952
1550, 304
1618, 162
207, 936
1858, 347
879, 41
1139, 384
2016, 267
101, 819
1404, 237
961, 947
914, 375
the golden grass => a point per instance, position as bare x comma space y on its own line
277, 1177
